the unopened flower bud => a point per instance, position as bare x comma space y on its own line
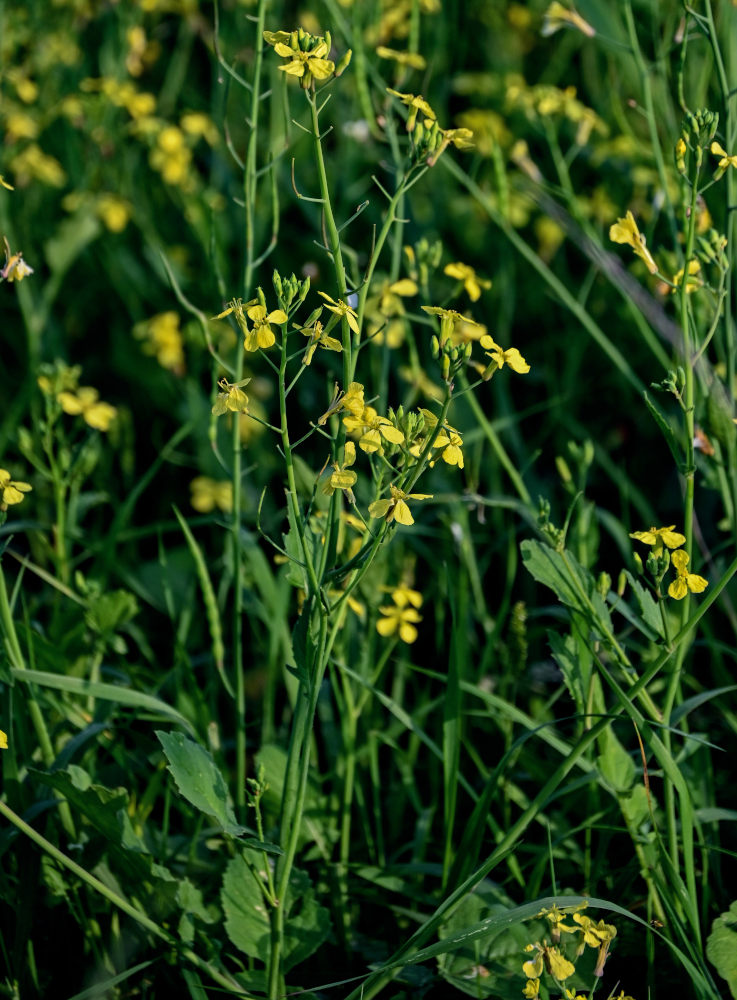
261, 296
343, 63
276, 282
604, 583
621, 583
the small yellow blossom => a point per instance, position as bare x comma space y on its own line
341, 309
396, 508
318, 338
15, 268
499, 357
85, 402
413, 60
415, 103
725, 161
3, 740
557, 16
694, 281
12, 490
197, 124
597, 935
450, 320
402, 617
33, 164
372, 428
343, 478
625, 231
207, 494
163, 339
306, 63
461, 138
231, 397
471, 281
684, 580
114, 212
262, 335
351, 400
659, 536
532, 989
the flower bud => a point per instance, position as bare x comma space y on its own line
276, 282
261, 296
344, 62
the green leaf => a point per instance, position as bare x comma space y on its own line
571, 581
106, 613
651, 623
615, 764
721, 947
665, 429
199, 780
307, 924
70, 239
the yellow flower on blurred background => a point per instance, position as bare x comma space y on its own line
231, 397
262, 335
12, 490
340, 308
3, 740
471, 281
396, 508
684, 580
114, 212
15, 268
557, 16
402, 617
415, 103
85, 402
499, 357
625, 231
207, 494
163, 338
656, 537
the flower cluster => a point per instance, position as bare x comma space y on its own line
307, 55
660, 541
548, 956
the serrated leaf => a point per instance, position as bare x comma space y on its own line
648, 606
199, 779
721, 947
109, 612
247, 924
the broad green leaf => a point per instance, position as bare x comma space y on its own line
615, 764
247, 919
199, 780
106, 613
721, 947
572, 582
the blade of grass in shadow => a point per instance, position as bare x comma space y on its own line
452, 726
553, 282
211, 607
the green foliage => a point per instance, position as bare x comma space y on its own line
721, 947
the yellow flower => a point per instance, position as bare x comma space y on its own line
458, 137
12, 490
684, 580
557, 16
207, 494
402, 616
415, 103
725, 161
658, 536
163, 339
85, 401
693, 281
372, 429
341, 309
302, 63
3, 740
625, 231
411, 59
114, 212
351, 400
231, 397
318, 338
343, 478
15, 268
450, 320
396, 508
262, 335
532, 989
511, 357
471, 281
